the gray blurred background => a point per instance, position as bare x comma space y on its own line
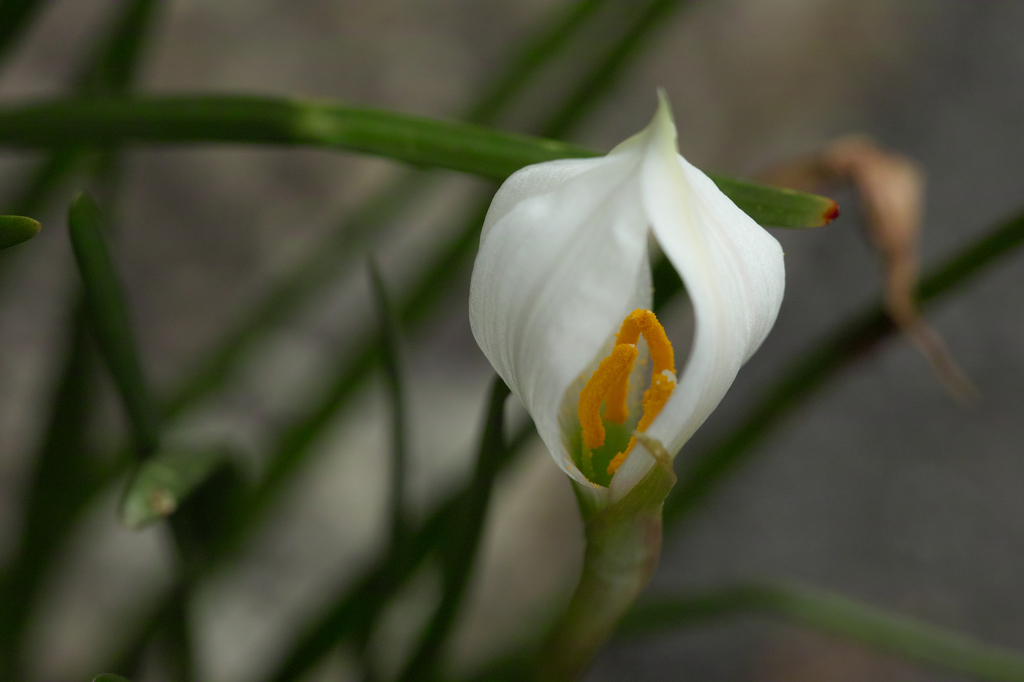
881, 487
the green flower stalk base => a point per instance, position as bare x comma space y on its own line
623, 548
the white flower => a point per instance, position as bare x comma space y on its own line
563, 262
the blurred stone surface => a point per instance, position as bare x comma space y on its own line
880, 487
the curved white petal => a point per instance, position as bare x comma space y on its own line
562, 260
733, 271
532, 181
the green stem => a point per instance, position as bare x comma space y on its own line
835, 614
622, 551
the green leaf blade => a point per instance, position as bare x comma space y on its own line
777, 206
416, 140
15, 229
838, 615
161, 484
110, 319
15, 18
390, 343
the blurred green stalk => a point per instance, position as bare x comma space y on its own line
848, 619
394, 378
485, 152
461, 540
15, 17
65, 477
110, 320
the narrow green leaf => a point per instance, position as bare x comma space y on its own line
110, 677
15, 17
208, 515
609, 69
42, 182
118, 56
273, 120
175, 633
63, 481
463, 539
326, 262
163, 481
535, 53
390, 351
891, 633
276, 120
354, 366
110, 320
852, 340
354, 610
777, 206
111, 70
17, 229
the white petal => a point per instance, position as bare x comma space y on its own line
733, 272
531, 181
562, 260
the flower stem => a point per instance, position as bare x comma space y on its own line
623, 548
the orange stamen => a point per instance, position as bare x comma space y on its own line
610, 382
639, 322
644, 322
610, 372
655, 398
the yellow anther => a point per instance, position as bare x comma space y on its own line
655, 398
644, 322
610, 383
615, 407
618, 459
639, 322
609, 373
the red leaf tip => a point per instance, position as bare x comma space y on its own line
830, 213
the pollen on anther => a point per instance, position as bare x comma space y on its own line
610, 383
612, 371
